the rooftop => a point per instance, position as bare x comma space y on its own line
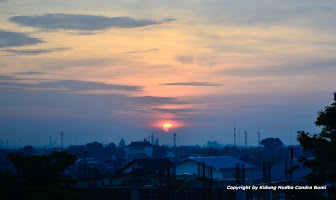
139, 144
221, 162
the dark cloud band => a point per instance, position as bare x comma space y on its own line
69, 85
34, 51
193, 84
81, 22
14, 39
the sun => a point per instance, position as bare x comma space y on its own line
166, 127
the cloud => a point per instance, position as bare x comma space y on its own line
185, 59
14, 39
23, 95
34, 51
194, 84
294, 68
141, 51
81, 22
173, 111
28, 73
7, 78
74, 85
154, 101
70, 85
269, 13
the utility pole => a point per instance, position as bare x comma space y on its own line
234, 132
245, 138
62, 135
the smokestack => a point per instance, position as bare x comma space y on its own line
258, 139
152, 138
238, 136
245, 138
174, 139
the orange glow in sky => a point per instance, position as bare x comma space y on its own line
163, 67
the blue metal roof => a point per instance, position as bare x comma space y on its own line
221, 162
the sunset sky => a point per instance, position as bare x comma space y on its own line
105, 70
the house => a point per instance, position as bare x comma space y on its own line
281, 171
221, 167
149, 167
139, 150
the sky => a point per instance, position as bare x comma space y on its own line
105, 70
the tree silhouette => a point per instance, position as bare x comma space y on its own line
271, 143
42, 170
122, 144
323, 148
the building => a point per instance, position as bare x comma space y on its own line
221, 167
282, 170
149, 167
139, 150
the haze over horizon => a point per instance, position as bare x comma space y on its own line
106, 70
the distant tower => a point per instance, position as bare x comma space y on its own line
258, 139
62, 135
174, 139
157, 141
238, 136
234, 132
152, 138
245, 138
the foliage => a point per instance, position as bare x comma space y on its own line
42, 170
13, 187
159, 151
271, 143
323, 148
95, 150
122, 144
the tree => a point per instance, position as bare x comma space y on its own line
122, 144
95, 150
323, 148
271, 143
159, 151
43, 170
